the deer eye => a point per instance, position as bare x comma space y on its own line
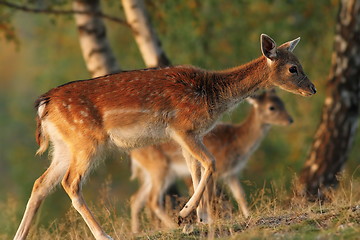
293, 69
271, 108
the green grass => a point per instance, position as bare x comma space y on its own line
275, 214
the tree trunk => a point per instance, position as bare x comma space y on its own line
144, 33
339, 121
95, 47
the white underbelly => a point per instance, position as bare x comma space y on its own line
236, 166
180, 169
135, 136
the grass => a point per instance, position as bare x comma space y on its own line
275, 214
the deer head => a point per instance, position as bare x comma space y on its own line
289, 72
270, 109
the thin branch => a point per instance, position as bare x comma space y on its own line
63, 12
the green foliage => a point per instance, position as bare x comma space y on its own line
7, 30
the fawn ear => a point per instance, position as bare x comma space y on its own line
290, 45
253, 100
268, 46
271, 92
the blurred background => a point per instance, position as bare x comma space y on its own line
39, 52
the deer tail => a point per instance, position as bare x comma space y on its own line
42, 138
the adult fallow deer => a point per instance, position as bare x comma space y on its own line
142, 107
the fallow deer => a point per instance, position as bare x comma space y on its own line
137, 108
158, 166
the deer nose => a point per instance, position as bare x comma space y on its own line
291, 120
312, 88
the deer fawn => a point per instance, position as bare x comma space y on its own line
158, 166
142, 107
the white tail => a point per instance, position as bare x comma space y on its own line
158, 166
138, 108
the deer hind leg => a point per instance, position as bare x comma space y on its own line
194, 149
43, 186
239, 194
72, 183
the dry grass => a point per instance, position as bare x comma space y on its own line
276, 214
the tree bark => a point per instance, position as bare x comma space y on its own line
95, 47
334, 136
144, 33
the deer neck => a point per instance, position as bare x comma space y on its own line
252, 131
233, 85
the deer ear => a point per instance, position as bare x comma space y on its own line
271, 92
253, 100
268, 46
290, 45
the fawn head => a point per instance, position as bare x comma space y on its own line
287, 72
271, 109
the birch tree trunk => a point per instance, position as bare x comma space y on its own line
339, 121
95, 47
144, 33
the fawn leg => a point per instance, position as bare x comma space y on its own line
137, 202
239, 194
159, 186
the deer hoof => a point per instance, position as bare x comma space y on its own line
180, 220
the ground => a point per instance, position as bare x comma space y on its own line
275, 214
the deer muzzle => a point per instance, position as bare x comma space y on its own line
307, 88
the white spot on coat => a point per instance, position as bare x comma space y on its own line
84, 113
